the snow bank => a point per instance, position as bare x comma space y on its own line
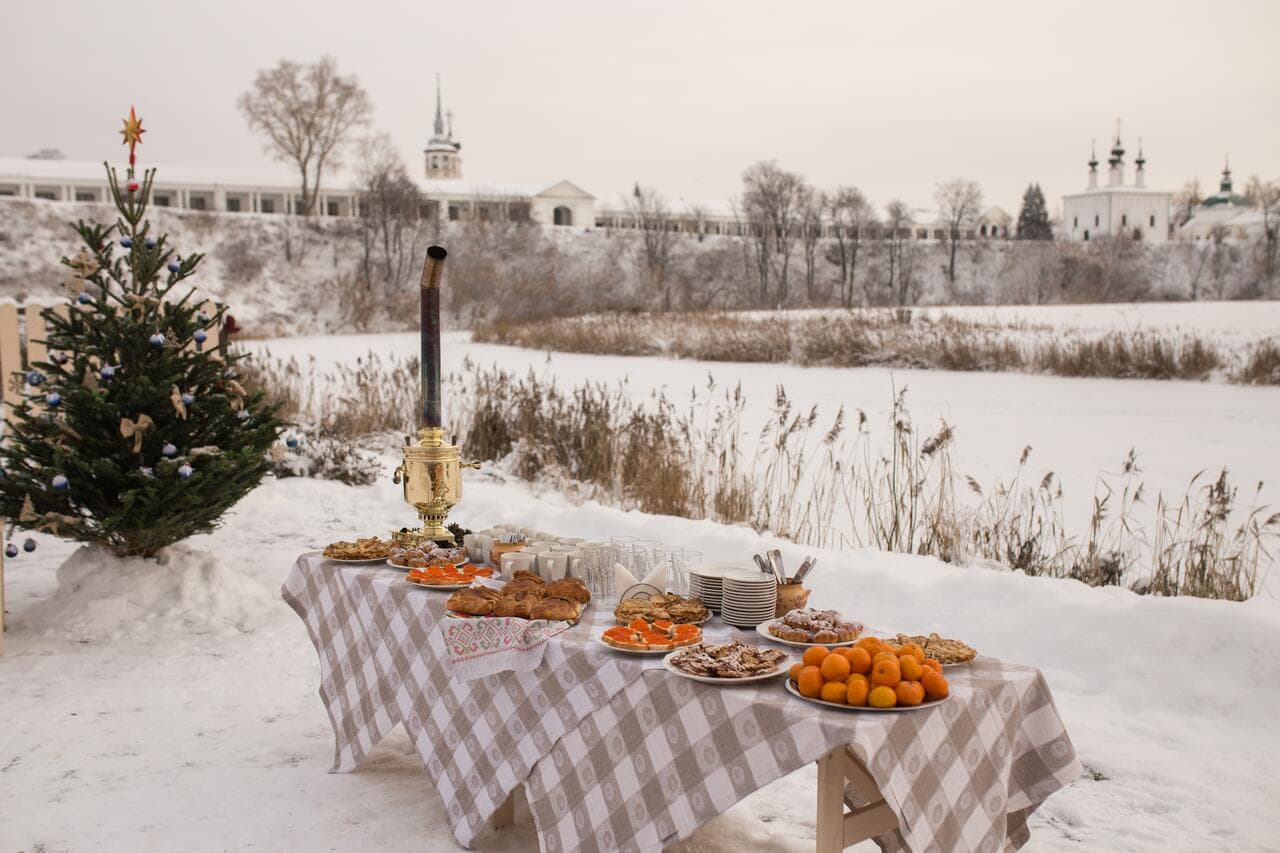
100, 595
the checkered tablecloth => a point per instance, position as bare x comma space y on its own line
618, 754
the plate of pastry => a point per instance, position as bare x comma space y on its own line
944, 651
810, 627
726, 663
447, 576
666, 606
424, 557
525, 596
370, 549
650, 638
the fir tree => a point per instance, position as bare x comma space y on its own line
133, 434
1033, 219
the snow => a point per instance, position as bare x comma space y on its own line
217, 741
199, 727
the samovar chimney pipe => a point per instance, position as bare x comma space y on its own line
432, 271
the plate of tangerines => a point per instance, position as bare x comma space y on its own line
872, 675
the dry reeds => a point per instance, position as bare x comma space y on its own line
889, 338
815, 481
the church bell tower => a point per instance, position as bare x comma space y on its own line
442, 158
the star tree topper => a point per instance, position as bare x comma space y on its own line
132, 133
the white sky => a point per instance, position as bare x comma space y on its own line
891, 97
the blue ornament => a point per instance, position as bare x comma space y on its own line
58, 357
126, 242
53, 398
84, 298
107, 371
11, 550
291, 441
35, 378
175, 267
157, 340
169, 450
2, 474
185, 472
60, 482
202, 317
149, 243
29, 545
200, 336
187, 399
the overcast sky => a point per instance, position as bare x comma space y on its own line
891, 97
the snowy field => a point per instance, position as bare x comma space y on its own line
200, 729
1076, 428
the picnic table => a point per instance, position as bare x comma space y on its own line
616, 753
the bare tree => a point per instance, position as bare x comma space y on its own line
851, 215
771, 200
1266, 197
388, 203
1220, 258
657, 239
812, 204
897, 236
959, 202
1185, 202
307, 112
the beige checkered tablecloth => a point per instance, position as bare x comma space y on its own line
616, 754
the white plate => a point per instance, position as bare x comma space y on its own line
840, 706
601, 641
716, 571
763, 630
356, 562
783, 667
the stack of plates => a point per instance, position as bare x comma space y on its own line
748, 598
705, 583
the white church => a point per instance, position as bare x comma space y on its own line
1117, 209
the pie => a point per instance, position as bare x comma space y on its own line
369, 548
728, 660
942, 650
525, 596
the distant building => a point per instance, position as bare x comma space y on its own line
1224, 214
1117, 210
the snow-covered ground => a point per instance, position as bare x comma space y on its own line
1077, 428
200, 729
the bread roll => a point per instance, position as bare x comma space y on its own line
570, 588
519, 607
525, 574
471, 602
558, 609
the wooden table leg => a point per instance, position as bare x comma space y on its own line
836, 829
506, 813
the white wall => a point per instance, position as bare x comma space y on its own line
1107, 213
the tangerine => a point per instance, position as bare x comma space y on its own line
794, 672
886, 672
815, 655
935, 686
933, 665
856, 689
909, 693
911, 667
809, 682
859, 659
833, 691
911, 649
879, 656
835, 668
882, 697
870, 644
844, 652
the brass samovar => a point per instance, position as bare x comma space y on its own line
431, 470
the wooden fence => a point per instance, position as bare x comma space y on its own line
22, 344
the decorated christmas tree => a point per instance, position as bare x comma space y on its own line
133, 433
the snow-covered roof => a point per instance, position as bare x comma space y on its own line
679, 206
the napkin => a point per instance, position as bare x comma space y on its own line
624, 580
484, 646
